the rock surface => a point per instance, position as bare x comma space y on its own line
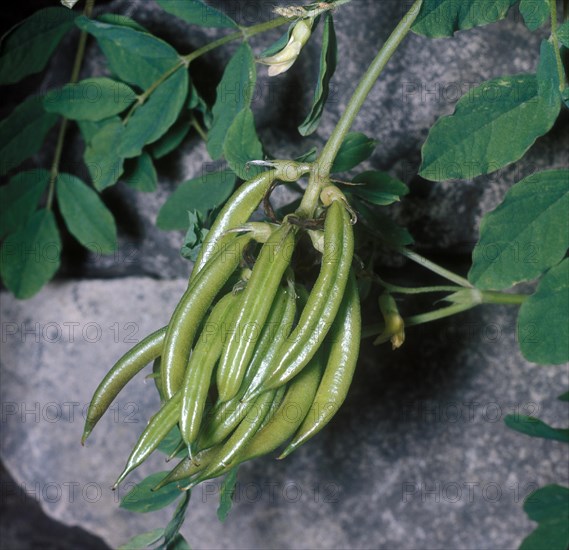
419, 456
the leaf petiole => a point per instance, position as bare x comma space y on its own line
89, 5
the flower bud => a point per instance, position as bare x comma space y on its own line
284, 60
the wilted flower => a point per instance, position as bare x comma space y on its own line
283, 60
394, 324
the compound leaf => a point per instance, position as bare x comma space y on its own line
29, 46
543, 331
328, 61
526, 234
233, 94
85, 214
202, 194
242, 145
442, 18
197, 12
31, 256
92, 99
492, 126
19, 199
23, 132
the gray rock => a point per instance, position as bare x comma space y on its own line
418, 457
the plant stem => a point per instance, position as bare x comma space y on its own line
364, 87
197, 126
555, 40
320, 175
435, 268
488, 297
244, 33
89, 5
493, 297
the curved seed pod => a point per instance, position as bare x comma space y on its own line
156, 430
191, 310
292, 411
227, 415
288, 416
237, 211
258, 297
188, 467
239, 439
128, 366
344, 348
201, 364
322, 304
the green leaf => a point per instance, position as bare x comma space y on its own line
142, 499
27, 48
534, 12
31, 256
234, 93
535, 427
85, 214
548, 77
178, 543
356, 148
89, 129
143, 177
153, 119
121, 21
242, 145
173, 528
101, 155
23, 132
564, 396
172, 139
91, 99
492, 126
309, 156
197, 102
543, 331
442, 18
194, 237
19, 199
143, 540
171, 442
563, 34
328, 61
381, 226
549, 507
226, 492
135, 57
380, 188
203, 194
197, 13
565, 96
277, 46
526, 234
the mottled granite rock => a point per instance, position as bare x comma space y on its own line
426, 418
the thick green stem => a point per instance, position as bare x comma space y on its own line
90, 4
364, 87
320, 176
431, 266
492, 297
555, 40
